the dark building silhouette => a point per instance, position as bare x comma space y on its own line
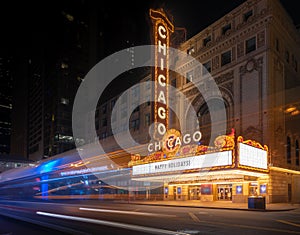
64, 43
6, 82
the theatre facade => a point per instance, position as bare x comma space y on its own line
251, 55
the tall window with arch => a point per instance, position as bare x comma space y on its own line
213, 107
288, 150
297, 153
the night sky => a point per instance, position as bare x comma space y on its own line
21, 21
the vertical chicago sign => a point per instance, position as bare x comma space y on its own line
162, 28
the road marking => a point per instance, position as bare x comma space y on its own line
124, 212
194, 217
113, 224
287, 222
203, 213
251, 227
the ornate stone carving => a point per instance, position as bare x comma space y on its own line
228, 86
253, 133
224, 77
233, 53
251, 65
240, 49
215, 62
191, 92
278, 66
260, 39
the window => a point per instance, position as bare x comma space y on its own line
104, 108
250, 45
226, 58
64, 101
288, 150
147, 119
190, 51
206, 40
297, 153
64, 65
287, 56
206, 68
79, 78
112, 103
135, 124
189, 76
277, 44
226, 28
247, 15
104, 122
104, 135
136, 109
173, 82
294, 62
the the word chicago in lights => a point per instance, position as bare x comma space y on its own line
162, 28
175, 154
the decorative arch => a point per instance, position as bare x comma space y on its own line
201, 108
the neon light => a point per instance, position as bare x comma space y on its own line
162, 28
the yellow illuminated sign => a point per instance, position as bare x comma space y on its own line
162, 28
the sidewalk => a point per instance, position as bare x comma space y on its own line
218, 205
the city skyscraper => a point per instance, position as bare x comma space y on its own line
6, 81
68, 41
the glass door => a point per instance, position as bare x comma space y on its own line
194, 192
225, 192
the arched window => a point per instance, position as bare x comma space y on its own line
288, 150
297, 153
212, 107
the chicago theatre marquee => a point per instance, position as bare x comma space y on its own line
237, 164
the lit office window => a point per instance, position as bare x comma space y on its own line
64, 101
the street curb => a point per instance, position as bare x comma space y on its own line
210, 207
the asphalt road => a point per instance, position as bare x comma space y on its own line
9, 226
97, 217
